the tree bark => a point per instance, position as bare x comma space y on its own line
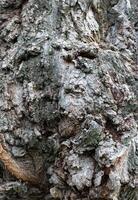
68, 99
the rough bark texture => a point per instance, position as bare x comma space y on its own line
68, 99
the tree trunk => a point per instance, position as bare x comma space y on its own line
68, 102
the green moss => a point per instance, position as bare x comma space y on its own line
128, 193
50, 51
132, 107
16, 190
50, 149
91, 138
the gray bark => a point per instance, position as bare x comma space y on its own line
68, 100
